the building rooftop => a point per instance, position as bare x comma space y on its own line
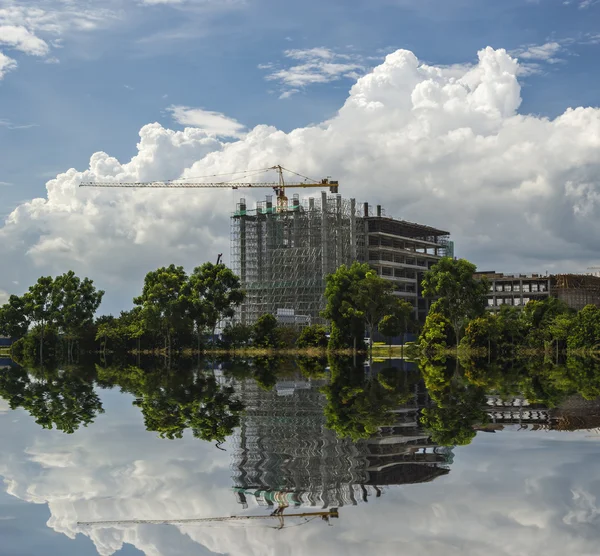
387, 224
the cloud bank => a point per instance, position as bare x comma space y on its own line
445, 146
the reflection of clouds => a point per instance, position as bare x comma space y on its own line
508, 494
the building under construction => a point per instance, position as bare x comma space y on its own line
283, 254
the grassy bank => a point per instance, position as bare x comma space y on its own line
385, 352
251, 352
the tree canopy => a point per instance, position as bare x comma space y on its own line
459, 296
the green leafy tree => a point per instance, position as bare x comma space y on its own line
559, 329
374, 299
131, 325
436, 333
460, 296
215, 293
585, 329
537, 317
13, 318
107, 329
314, 336
265, 332
347, 321
40, 308
236, 334
390, 326
482, 333
165, 302
75, 302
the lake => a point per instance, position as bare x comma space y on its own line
261, 437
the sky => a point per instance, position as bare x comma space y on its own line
512, 493
475, 116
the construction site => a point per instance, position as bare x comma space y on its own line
283, 252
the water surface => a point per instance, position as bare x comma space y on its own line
519, 487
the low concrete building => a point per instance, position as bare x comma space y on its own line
576, 290
515, 290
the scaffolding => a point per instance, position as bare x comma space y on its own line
283, 256
576, 290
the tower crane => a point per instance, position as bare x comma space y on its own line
277, 514
279, 187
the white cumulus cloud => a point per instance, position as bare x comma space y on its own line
6, 64
20, 38
311, 66
443, 146
211, 122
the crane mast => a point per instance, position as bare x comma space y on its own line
278, 187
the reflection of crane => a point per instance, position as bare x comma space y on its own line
278, 514
279, 187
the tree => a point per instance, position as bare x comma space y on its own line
107, 329
236, 334
537, 317
314, 336
75, 302
215, 293
39, 307
435, 333
560, 328
392, 325
460, 296
165, 302
264, 333
347, 323
585, 331
13, 319
482, 333
374, 299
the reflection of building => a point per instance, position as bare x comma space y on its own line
576, 290
283, 256
574, 413
284, 453
517, 410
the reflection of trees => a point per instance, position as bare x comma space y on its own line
460, 396
172, 402
266, 371
536, 379
459, 403
357, 405
312, 367
54, 398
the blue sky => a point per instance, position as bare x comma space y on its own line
112, 80
442, 131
